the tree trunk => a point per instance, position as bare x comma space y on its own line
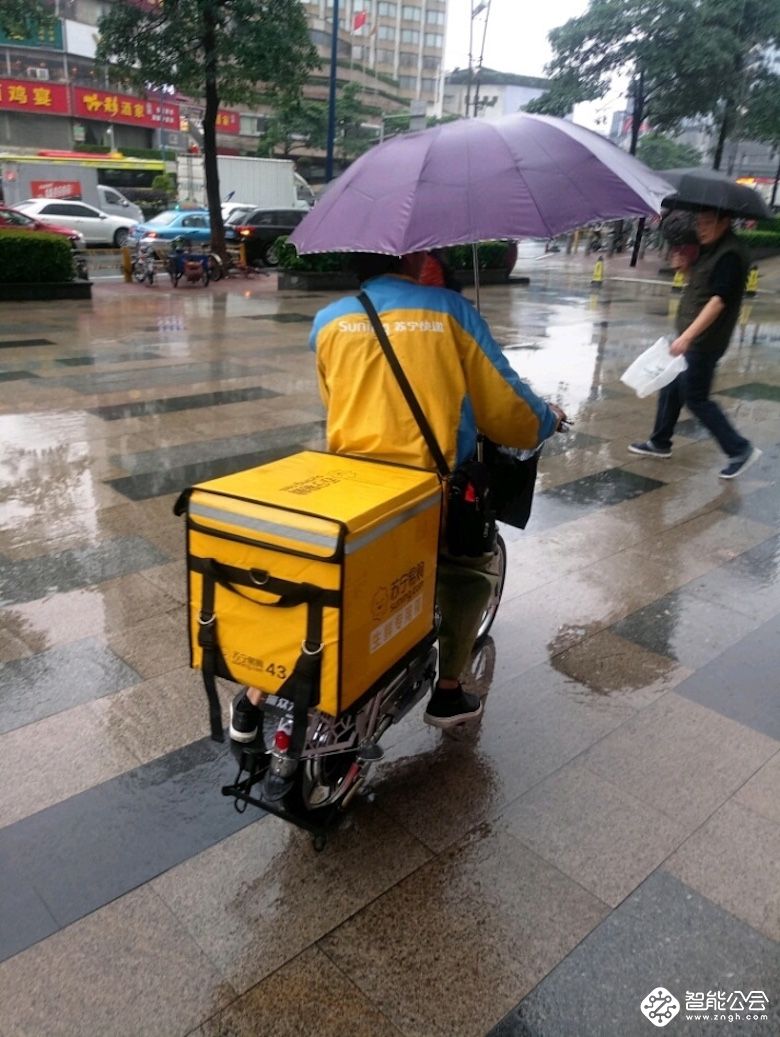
210, 131
774, 187
638, 113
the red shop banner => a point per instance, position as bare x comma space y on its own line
112, 107
22, 95
228, 122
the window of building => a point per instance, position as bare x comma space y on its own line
360, 5
407, 59
359, 53
428, 86
434, 39
410, 36
411, 14
384, 57
407, 82
431, 63
386, 32
386, 10
434, 17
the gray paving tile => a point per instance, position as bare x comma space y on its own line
762, 505
753, 391
52, 681
170, 404
157, 484
210, 450
117, 358
78, 855
13, 343
742, 683
685, 627
663, 935
749, 583
25, 917
573, 499
28, 579
734, 859
148, 378
16, 376
281, 318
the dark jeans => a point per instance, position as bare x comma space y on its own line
692, 389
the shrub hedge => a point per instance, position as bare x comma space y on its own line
492, 255
760, 238
34, 258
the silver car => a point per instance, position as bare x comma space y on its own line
97, 227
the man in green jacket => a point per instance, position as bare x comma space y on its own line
709, 308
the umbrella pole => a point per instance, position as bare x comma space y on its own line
475, 262
638, 240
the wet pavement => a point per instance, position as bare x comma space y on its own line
612, 828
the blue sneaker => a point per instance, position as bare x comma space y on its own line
737, 465
649, 449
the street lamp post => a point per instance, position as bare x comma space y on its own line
334, 51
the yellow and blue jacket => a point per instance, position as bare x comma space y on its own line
454, 365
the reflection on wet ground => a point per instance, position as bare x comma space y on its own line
612, 823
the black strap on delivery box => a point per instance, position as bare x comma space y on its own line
302, 687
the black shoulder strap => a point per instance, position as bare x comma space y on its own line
406, 389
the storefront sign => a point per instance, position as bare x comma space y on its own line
67, 189
26, 96
111, 107
33, 36
228, 122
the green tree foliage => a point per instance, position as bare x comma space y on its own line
683, 58
220, 51
23, 17
298, 123
295, 123
762, 119
659, 152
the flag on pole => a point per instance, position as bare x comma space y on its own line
359, 20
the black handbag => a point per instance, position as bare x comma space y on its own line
512, 482
470, 527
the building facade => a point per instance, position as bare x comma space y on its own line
488, 94
54, 96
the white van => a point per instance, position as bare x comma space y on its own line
114, 203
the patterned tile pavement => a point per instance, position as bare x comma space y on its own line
603, 848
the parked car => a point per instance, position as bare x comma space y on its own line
13, 219
114, 203
229, 209
193, 224
259, 231
97, 227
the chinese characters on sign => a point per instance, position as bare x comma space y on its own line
86, 103
70, 189
25, 96
113, 107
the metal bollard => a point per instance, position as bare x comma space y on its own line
127, 264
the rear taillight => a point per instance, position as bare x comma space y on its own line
282, 740
245, 232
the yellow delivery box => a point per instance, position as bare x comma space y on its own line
313, 555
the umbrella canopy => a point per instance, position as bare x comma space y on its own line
710, 189
474, 180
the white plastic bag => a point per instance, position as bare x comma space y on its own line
653, 369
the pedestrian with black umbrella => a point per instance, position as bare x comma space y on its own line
708, 312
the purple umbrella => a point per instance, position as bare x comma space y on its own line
474, 180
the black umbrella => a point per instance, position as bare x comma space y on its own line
710, 189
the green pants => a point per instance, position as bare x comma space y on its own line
463, 589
